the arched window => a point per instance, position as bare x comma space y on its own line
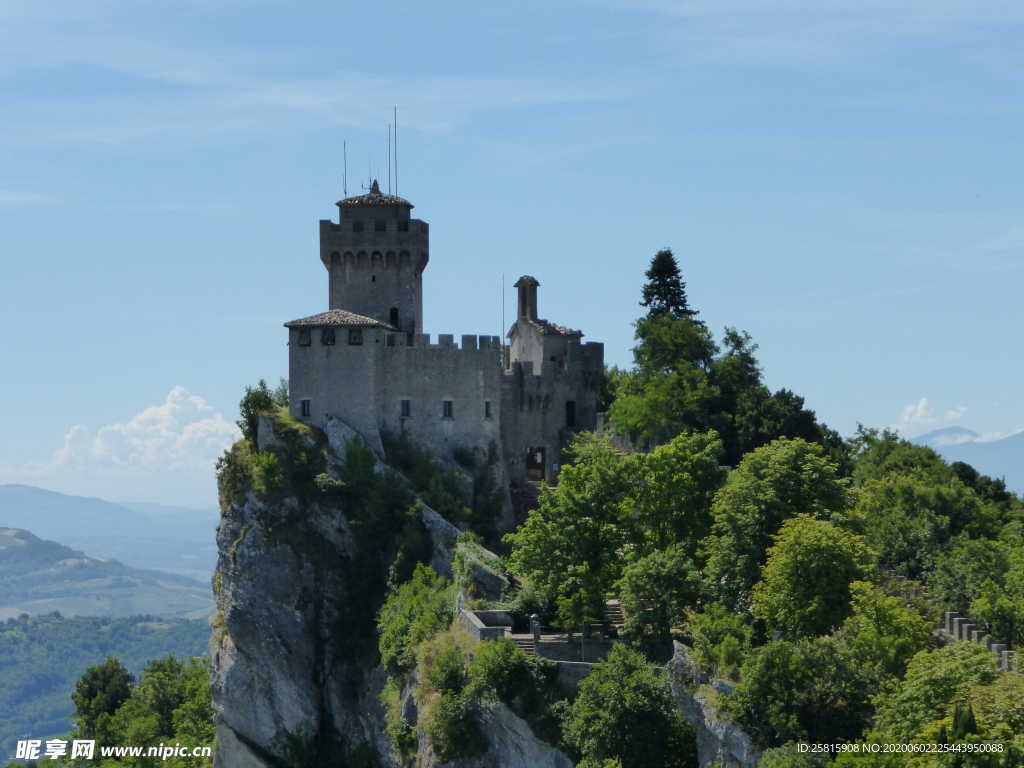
393, 316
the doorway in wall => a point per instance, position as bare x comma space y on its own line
535, 464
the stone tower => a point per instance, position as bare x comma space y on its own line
375, 256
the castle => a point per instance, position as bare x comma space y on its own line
367, 362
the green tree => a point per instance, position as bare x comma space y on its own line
98, 693
569, 546
808, 690
675, 485
665, 292
161, 690
417, 609
934, 679
773, 483
721, 639
906, 518
805, 585
654, 591
884, 631
624, 710
256, 400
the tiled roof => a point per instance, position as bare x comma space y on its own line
338, 317
375, 197
553, 329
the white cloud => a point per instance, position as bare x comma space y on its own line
916, 416
955, 414
165, 452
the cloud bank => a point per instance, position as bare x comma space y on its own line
164, 453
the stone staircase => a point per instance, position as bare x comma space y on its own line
613, 614
525, 644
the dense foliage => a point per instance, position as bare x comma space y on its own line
624, 711
812, 577
42, 657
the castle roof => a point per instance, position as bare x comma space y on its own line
374, 197
338, 317
552, 329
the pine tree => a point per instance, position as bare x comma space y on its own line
665, 291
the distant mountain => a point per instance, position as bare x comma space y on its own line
1002, 458
39, 576
167, 538
41, 658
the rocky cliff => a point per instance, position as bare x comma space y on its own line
720, 741
313, 528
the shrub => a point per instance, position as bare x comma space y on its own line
453, 728
499, 668
417, 609
721, 640
448, 671
255, 401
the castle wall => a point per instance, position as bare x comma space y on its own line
534, 405
339, 379
469, 375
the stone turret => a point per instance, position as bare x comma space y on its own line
375, 256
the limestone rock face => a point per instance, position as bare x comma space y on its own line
719, 740
513, 744
288, 669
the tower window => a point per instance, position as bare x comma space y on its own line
357, 226
403, 226
379, 226
373, 278
570, 413
406, 409
487, 409
447, 409
304, 408
393, 316
304, 337
355, 336
327, 337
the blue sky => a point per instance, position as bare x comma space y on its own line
841, 179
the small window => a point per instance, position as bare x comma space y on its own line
357, 226
570, 413
304, 408
373, 278
389, 340
304, 337
447, 409
355, 336
487, 409
327, 337
393, 316
379, 226
403, 226
406, 409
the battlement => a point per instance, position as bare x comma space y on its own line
468, 342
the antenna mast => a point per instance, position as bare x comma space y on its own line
344, 172
396, 148
389, 158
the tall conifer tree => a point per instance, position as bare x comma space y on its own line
665, 291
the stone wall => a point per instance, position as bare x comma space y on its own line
959, 628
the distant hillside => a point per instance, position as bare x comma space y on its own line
42, 657
996, 458
165, 538
38, 576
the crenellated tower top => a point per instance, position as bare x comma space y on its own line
375, 256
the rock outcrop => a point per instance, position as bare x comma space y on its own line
720, 741
292, 661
